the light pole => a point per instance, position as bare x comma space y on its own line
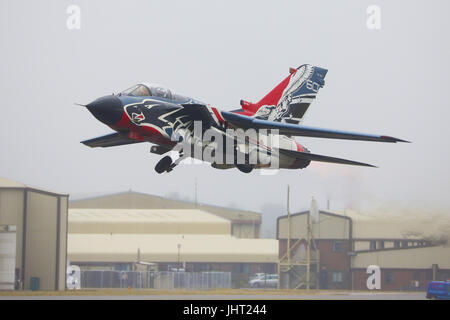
179, 247
177, 275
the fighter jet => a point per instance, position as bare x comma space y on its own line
258, 135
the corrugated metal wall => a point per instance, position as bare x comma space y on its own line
63, 243
11, 213
41, 249
134, 200
41, 239
328, 227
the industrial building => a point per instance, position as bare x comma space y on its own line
244, 224
191, 239
128, 231
410, 250
33, 237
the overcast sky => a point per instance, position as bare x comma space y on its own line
392, 81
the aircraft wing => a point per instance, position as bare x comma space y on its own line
321, 158
246, 122
109, 140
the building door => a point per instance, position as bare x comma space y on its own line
323, 279
7, 257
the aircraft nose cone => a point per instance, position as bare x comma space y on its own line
106, 109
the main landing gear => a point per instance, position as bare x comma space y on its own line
245, 168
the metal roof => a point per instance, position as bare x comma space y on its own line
414, 258
407, 225
11, 184
138, 200
146, 221
7, 183
164, 248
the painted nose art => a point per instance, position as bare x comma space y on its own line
106, 109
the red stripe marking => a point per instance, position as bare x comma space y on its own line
217, 114
297, 162
299, 147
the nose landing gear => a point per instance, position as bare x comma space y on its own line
166, 164
163, 164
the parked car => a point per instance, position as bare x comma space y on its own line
438, 290
256, 276
264, 281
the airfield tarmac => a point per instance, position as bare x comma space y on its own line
231, 294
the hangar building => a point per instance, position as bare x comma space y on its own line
33, 237
410, 250
244, 224
115, 239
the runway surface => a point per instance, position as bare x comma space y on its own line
268, 296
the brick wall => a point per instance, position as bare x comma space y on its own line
399, 279
334, 266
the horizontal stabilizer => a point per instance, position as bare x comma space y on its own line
320, 158
109, 140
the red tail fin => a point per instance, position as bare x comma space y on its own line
271, 98
291, 98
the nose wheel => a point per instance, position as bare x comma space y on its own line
166, 164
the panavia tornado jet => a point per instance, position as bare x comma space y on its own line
258, 135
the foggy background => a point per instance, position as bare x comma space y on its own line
392, 81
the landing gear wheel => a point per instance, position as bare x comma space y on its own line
164, 165
244, 168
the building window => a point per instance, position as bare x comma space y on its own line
416, 275
396, 244
445, 277
200, 267
336, 276
373, 244
121, 267
241, 268
389, 277
338, 246
381, 244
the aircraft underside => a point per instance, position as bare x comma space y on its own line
288, 154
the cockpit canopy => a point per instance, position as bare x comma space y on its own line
153, 90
